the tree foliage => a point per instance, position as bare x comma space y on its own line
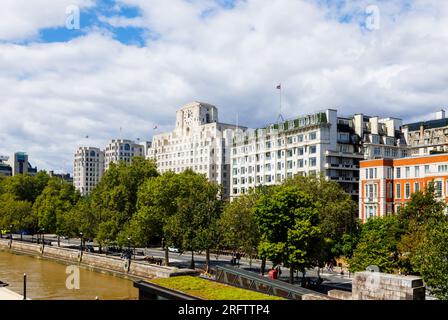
239, 228
431, 259
288, 219
53, 204
377, 245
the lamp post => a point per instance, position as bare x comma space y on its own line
81, 241
10, 231
129, 248
43, 237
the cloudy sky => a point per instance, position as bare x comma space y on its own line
132, 63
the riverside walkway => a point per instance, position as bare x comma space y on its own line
6, 294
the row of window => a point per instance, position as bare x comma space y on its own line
267, 179
371, 190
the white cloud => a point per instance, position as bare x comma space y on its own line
22, 19
53, 95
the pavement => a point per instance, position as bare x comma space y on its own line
6, 294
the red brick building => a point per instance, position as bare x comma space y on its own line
385, 185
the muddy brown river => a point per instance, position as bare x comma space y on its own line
47, 280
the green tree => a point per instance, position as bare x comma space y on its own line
337, 213
288, 221
25, 187
420, 212
431, 259
238, 225
14, 212
377, 245
194, 226
54, 204
82, 219
157, 202
115, 197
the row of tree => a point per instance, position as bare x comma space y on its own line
301, 223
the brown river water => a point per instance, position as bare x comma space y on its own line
46, 280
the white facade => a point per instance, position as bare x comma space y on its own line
122, 150
88, 169
428, 137
316, 143
198, 142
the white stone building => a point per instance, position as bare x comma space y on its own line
198, 142
427, 137
320, 142
122, 150
88, 169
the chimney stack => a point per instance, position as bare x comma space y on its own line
440, 114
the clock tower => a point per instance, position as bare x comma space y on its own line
194, 115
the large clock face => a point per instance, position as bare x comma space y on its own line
188, 117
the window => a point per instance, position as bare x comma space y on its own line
300, 138
398, 173
390, 190
344, 137
443, 168
398, 191
377, 151
408, 172
300, 163
427, 169
438, 186
312, 162
313, 149
390, 173
301, 152
417, 171
416, 187
312, 136
407, 190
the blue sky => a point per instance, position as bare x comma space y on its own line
133, 63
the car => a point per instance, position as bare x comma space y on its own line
173, 249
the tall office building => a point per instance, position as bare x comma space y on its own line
320, 142
88, 168
122, 150
5, 168
20, 164
198, 142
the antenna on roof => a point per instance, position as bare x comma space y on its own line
280, 117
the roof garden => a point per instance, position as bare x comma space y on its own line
209, 290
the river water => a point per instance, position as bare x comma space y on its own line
46, 280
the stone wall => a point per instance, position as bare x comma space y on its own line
97, 262
382, 286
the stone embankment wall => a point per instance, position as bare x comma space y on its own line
94, 261
382, 286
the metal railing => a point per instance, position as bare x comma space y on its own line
252, 281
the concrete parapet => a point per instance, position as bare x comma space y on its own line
311, 296
382, 286
341, 295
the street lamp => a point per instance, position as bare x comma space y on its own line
10, 232
43, 236
81, 241
129, 247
